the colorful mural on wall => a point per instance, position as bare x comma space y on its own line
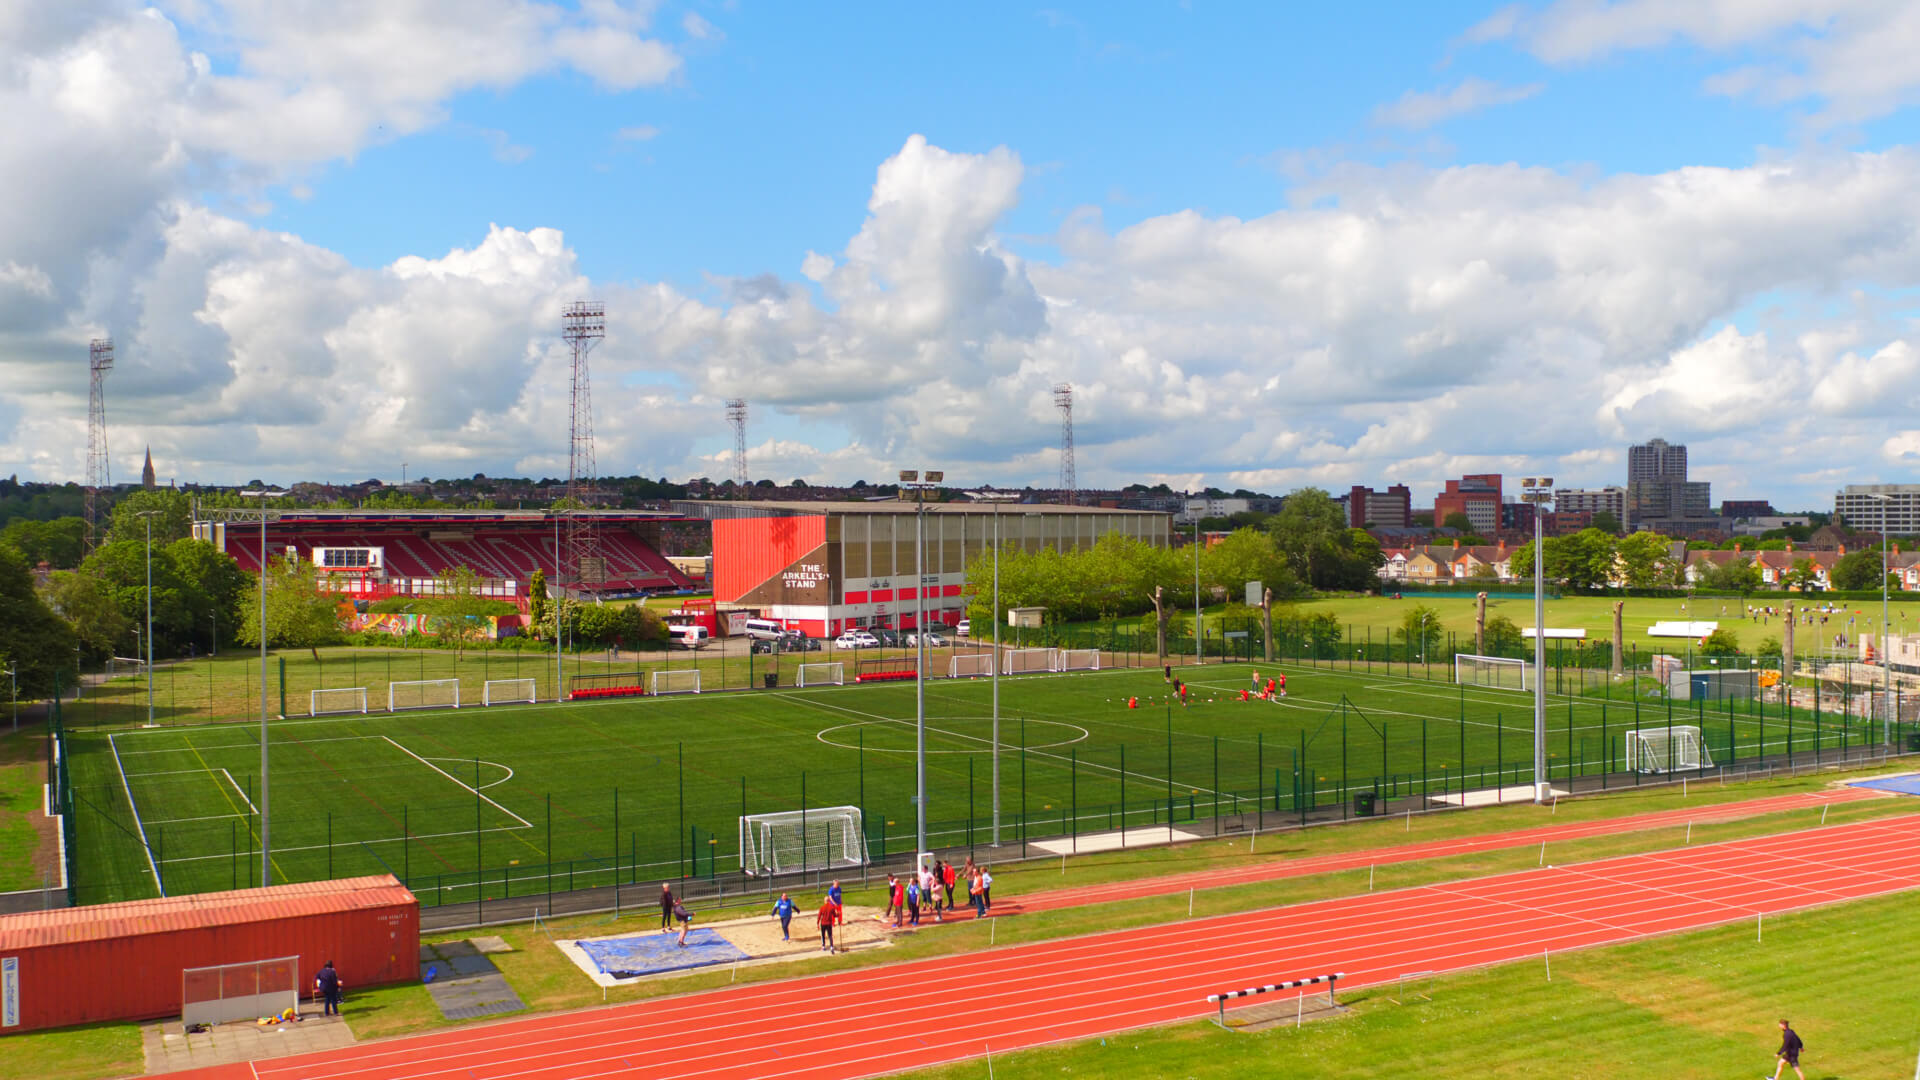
489, 627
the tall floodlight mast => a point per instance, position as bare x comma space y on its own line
583, 324
99, 476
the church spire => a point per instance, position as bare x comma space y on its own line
146, 473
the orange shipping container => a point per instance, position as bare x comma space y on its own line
123, 961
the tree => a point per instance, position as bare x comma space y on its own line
1722, 642
1503, 637
1306, 530
1736, 575
299, 615
462, 608
1639, 558
94, 620
212, 585
173, 521
1606, 522
1768, 647
1420, 630
1459, 521
1857, 570
1802, 575
34, 641
60, 543
1245, 555
537, 601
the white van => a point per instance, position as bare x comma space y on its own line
689, 636
764, 630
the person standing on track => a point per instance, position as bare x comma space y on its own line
986, 890
947, 875
686, 922
783, 909
1789, 1052
913, 903
896, 899
667, 903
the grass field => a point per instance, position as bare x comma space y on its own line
509, 799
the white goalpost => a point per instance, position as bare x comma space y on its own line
969, 665
1024, 661
831, 673
1667, 749
423, 694
122, 666
675, 681
1079, 660
1492, 672
337, 700
505, 691
829, 838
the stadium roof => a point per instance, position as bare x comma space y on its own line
462, 517
699, 508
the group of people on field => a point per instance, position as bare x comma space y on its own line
934, 887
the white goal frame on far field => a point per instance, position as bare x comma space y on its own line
509, 691
676, 681
359, 705
1079, 660
822, 673
970, 665
829, 838
1028, 661
1493, 672
1667, 749
395, 690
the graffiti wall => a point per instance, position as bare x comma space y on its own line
487, 627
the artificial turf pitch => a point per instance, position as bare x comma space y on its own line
512, 799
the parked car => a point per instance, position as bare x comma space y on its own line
934, 640
856, 639
965, 629
767, 647
807, 644
888, 638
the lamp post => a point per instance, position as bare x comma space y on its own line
1539, 491
911, 478
148, 515
996, 498
263, 515
1199, 654
1886, 665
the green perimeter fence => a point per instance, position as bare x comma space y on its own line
677, 822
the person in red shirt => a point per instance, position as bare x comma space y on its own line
893, 885
947, 878
1283, 686
1269, 692
897, 899
828, 911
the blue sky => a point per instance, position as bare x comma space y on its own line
1270, 245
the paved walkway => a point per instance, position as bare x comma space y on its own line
168, 1048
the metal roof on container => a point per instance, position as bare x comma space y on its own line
199, 911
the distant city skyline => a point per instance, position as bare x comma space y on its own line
1268, 246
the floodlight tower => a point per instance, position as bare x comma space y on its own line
1538, 491
737, 416
582, 325
1063, 400
99, 362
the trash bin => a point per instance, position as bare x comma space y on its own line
1364, 802
773, 679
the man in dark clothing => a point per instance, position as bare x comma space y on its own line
667, 903
1789, 1052
327, 985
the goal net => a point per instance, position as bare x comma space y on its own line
823, 674
1493, 672
120, 667
829, 838
338, 700
1079, 660
676, 681
503, 691
423, 694
969, 665
1663, 749
1021, 661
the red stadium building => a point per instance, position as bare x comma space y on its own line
370, 554
824, 567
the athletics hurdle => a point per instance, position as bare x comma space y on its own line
1221, 999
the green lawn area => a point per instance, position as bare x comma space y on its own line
509, 799
1700, 1005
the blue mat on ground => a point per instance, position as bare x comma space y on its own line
1905, 785
651, 954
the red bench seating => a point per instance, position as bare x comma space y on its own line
885, 676
607, 692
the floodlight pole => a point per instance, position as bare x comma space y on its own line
1199, 655
559, 671
912, 478
1886, 663
996, 498
266, 843
148, 515
1538, 491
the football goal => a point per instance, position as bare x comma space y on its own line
969, 665
337, 701
1667, 749
823, 674
1022, 661
1493, 672
120, 667
1079, 660
505, 691
829, 838
676, 681
423, 694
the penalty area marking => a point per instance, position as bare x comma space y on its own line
987, 742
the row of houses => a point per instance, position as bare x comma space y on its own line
1430, 563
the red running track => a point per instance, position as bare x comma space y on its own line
1281, 869
1008, 998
